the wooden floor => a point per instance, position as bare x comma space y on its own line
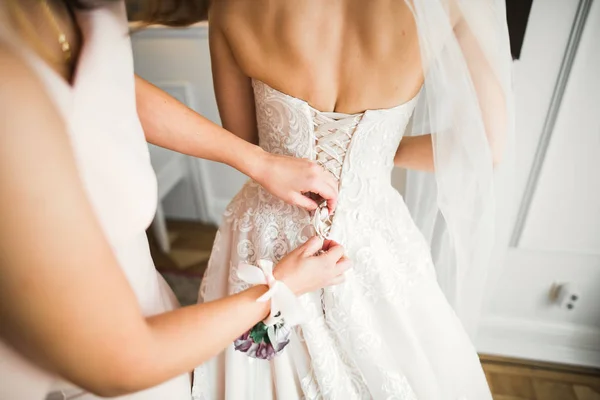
509, 379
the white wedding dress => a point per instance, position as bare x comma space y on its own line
388, 331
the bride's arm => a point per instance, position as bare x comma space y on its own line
233, 88
415, 152
64, 301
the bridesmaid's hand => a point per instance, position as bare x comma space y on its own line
304, 271
289, 178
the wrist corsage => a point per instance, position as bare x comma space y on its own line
269, 337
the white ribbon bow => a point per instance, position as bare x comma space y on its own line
283, 300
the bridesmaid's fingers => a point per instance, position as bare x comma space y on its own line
337, 280
324, 188
301, 200
333, 183
312, 246
329, 243
334, 254
342, 266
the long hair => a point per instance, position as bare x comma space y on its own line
160, 12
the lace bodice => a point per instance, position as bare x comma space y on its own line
290, 126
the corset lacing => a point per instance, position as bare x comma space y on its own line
332, 133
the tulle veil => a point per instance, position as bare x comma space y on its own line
466, 103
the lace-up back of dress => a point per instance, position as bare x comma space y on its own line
288, 125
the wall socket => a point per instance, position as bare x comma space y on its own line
564, 295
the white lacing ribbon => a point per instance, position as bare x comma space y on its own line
332, 140
322, 221
284, 303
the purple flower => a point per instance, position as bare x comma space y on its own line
252, 352
243, 343
262, 351
265, 351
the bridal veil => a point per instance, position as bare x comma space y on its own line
466, 104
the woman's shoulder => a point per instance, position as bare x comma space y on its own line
17, 79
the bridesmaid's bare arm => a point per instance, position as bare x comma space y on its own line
64, 301
170, 124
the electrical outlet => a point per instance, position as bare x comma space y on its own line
564, 295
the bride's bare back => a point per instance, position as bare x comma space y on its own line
343, 55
